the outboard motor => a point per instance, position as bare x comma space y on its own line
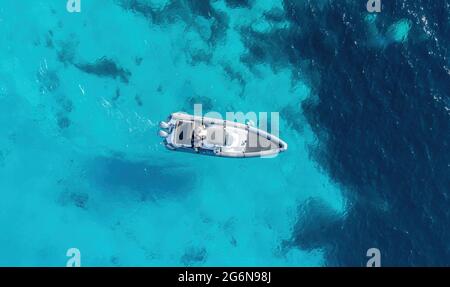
163, 134
163, 125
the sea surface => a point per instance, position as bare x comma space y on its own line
364, 103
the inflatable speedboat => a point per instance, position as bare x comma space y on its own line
217, 137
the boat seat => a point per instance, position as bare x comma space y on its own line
216, 135
183, 133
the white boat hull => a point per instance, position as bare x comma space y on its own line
217, 137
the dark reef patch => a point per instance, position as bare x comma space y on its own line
138, 100
276, 15
138, 61
235, 76
206, 102
140, 179
65, 107
65, 104
233, 241
197, 57
205, 9
114, 260
63, 121
193, 256
48, 80
180, 9
143, 9
67, 51
78, 199
49, 39
238, 3
116, 95
272, 47
105, 67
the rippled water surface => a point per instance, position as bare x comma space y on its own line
364, 102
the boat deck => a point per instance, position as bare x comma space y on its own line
257, 143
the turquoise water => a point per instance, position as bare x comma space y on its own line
81, 165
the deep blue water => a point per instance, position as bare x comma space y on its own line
364, 101
382, 118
